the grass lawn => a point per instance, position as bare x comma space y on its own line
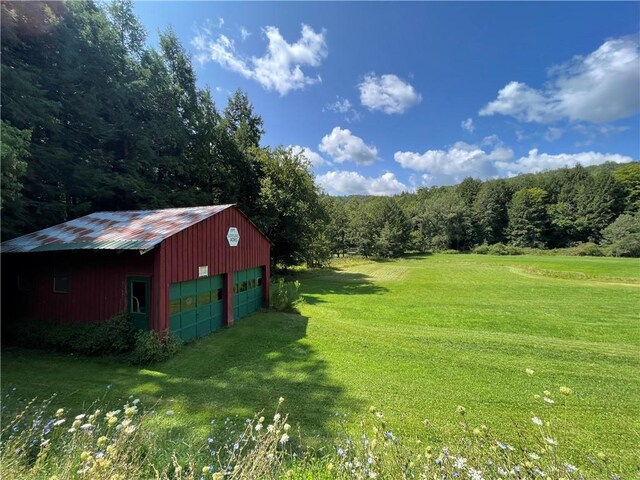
414, 337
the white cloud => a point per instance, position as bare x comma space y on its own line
279, 69
387, 93
344, 146
345, 107
599, 88
314, 158
244, 33
456, 163
352, 183
553, 133
537, 162
491, 159
468, 125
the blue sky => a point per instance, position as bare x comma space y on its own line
388, 97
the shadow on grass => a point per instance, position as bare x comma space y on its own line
238, 371
337, 282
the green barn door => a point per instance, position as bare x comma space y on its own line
139, 301
195, 307
247, 287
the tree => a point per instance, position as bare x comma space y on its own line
14, 152
528, 221
628, 176
623, 235
490, 211
288, 205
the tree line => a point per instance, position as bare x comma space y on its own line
554, 209
94, 119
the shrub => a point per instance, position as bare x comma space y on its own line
497, 249
152, 347
112, 336
589, 249
284, 295
623, 236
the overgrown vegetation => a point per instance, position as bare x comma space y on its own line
153, 347
49, 442
113, 336
284, 296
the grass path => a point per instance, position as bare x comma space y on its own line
414, 337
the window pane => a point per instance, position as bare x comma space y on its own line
188, 303
219, 294
61, 283
243, 286
260, 281
204, 299
174, 306
138, 297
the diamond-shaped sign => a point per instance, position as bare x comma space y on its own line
233, 236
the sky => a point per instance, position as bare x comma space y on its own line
389, 97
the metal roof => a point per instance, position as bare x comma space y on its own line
128, 230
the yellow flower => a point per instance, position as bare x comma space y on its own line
102, 441
529, 372
287, 427
330, 467
205, 469
112, 420
460, 409
566, 391
281, 399
59, 413
76, 424
547, 393
84, 456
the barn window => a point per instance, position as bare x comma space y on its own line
61, 281
219, 294
138, 297
243, 286
204, 298
259, 281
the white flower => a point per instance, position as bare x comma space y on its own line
258, 427
475, 474
550, 441
549, 400
281, 399
86, 426
460, 462
284, 439
537, 421
136, 401
80, 417
534, 456
276, 417
271, 428
528, 371
169, 413
57, 423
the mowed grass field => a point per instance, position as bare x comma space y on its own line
414, 337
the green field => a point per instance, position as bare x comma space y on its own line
414, 337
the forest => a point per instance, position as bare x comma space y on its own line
94, 119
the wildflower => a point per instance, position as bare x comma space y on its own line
71, 430
537, 421
276, 417
281, 399
460, 410
57, 423
84, 456
130, 411
271, 428
372, 409
236, 446
570, 468
45, 443
550, 441
111, 449
86, 426
329, 467
566, 391
389, 435
80, 417
284, 439
475, 474
60, 412
547, 393
287, 427
130, 429
136, 401
169, 413
102, 441
112, 421
76, 424
261, 420
217, 476
529, 372
258, 427
534, 456
206, 469
550, 401
459, 462
477, 431
340, 452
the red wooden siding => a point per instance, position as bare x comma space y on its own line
97, 279
179, 256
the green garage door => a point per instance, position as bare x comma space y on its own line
247, 289
195, 307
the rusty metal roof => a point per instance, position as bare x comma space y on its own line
128, 230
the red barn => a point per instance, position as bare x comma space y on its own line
189, 270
